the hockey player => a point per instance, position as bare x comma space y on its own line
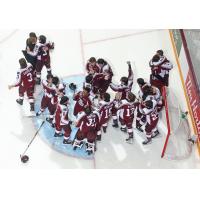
101, 82
142, 85
142, 95
152, 117
49, 92
88, 124
126, 83
152, 92
88, 81
123, 88
104, 110
92, 67
104, 67
41, 50
82, 100
30, 45
62, 121
25, 82
126, 115
160, 67
59, 92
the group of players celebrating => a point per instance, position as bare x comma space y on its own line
93, 104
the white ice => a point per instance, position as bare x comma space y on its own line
72, 49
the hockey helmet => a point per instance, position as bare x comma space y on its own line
92, 60
87, 110
156, 58
160, 52
42, 39
106, 97
131, 97
55, 80
140, 81
64, 100
149, 104
124, 80
88, 78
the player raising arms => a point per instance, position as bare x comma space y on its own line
123, 89
126, 83
41, 50
25, 82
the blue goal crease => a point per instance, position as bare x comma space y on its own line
47, 132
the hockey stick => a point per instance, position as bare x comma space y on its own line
25, 158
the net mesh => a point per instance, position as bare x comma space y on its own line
178, 146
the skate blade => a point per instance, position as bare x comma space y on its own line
130, 141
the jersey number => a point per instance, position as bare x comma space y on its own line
30, 77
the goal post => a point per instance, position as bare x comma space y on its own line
167, 120
176, 145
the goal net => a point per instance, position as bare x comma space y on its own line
176, 146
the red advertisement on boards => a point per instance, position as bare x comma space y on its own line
194, 100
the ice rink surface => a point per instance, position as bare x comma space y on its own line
72, 49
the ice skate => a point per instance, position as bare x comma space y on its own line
98, 137
38, 81
67, 141
129, 140
38, 113
123, 129
155, 134
115, 124
19, 101
77, 143
32, 107
58, 134
191, 140
50, 120
147, 141
104, 129
139, 128
89, 152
